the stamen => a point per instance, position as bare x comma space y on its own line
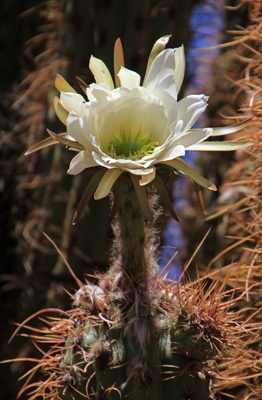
127, 146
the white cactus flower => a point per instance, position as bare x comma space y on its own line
132, 128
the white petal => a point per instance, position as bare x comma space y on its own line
104, 160
122, 162
74, 129
111, 163
80, 162
141, 171
164, 64
96, 92
175, 128
132, 113
128, 79
138, 91
189, 110
171, 153
156, 49
106, 183
170, 142
103, 163
225, 130
147, 178
166, 92
60, 111
72, 101
226, 145
100, 72
118, 92
191, 173
180, 65
197, 136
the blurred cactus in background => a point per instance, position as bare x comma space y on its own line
130, 332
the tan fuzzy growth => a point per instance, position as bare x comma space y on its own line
144, 328
141, 372
101, 354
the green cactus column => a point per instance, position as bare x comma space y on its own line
131, 225
143, 370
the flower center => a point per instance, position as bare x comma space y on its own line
128, 146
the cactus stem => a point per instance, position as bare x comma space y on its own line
130, 261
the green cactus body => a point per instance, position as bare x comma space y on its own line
168, 365
130, 347
131, 224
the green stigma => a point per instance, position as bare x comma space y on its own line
125, 145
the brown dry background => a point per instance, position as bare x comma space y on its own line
37, 40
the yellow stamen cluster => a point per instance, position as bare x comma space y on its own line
128, 146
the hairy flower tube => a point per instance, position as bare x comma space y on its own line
132, 128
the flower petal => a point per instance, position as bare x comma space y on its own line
60, 111
157, 48
191, 138
225, 130
166, 92
147, 178
163, 65
80, 162
72, 101
118, 92
165, 197
103, 163
128, 79
62, 85
75, 130
44, 143
142, 198
106, 183
100, 72
91, 187
171, 153
66, 140
141, 172
189, 110
118, 60
190, 172
227, 145
133, 113
180, 66
96, 92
